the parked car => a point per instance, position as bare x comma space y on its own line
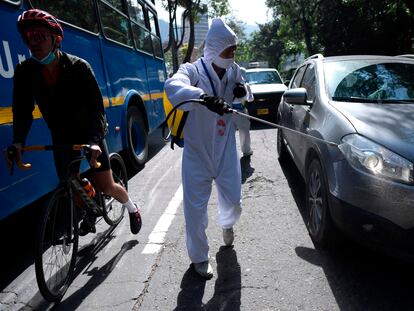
355, 147
267, 88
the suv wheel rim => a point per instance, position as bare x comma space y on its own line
315, 202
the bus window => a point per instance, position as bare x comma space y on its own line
70, 12
117, 4
157, 46
136, 12
153, 24
115, 25
156, 42
142, 38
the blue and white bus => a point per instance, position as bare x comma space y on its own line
121, 41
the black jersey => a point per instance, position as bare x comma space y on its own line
72, 107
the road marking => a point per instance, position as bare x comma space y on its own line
157, 236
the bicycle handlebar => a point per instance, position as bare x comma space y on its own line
12, 155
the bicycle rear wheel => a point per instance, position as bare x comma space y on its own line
113, 211
56, 246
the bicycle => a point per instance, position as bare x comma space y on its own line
57, 237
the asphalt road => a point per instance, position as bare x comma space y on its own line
273, 264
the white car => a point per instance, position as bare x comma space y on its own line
267, 88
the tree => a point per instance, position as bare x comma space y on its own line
266, 44
297, 18
192, 8
334, 27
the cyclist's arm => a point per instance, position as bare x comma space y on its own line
23, 105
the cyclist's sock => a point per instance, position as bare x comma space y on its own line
130, 206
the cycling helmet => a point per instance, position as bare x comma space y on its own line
34, 17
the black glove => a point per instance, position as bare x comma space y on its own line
215, 104
239, 91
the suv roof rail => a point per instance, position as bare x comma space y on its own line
318, 56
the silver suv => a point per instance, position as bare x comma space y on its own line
351, 135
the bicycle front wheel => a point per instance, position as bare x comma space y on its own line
113, 210
56, 246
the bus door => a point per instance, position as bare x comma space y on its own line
148, 45
125, 67
156, 68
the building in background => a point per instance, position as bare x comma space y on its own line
200, 30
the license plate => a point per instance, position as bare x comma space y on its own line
262, 111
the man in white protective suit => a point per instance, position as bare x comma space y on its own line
210, 144
243, 123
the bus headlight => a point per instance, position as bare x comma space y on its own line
370, 157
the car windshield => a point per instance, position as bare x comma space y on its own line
370, 81
263, 77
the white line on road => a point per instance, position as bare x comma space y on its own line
157, 236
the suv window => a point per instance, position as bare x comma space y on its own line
308, 81
298, 77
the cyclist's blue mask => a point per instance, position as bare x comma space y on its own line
49, 58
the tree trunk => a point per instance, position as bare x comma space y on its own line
172, 42
191, 39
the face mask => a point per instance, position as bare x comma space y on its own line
47, 59
224, 63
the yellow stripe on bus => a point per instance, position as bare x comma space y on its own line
6, 114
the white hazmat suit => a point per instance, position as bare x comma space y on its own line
209, 141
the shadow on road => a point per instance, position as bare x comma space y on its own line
97, 275
227, 289
360, 279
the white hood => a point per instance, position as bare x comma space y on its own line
219, 37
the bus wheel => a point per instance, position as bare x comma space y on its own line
137, 138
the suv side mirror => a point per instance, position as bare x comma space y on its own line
286, 83
298, 96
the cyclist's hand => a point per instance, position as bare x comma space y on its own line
215, 104
95, 152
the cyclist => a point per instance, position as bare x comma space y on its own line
68, 96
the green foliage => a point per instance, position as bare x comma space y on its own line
266, 45
334, 27
218, 8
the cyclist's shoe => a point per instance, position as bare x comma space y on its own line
87, 226
135, 221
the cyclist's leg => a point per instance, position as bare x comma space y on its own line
63, 159
104, 181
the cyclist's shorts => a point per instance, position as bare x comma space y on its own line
64, 158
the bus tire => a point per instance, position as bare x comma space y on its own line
137, 137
